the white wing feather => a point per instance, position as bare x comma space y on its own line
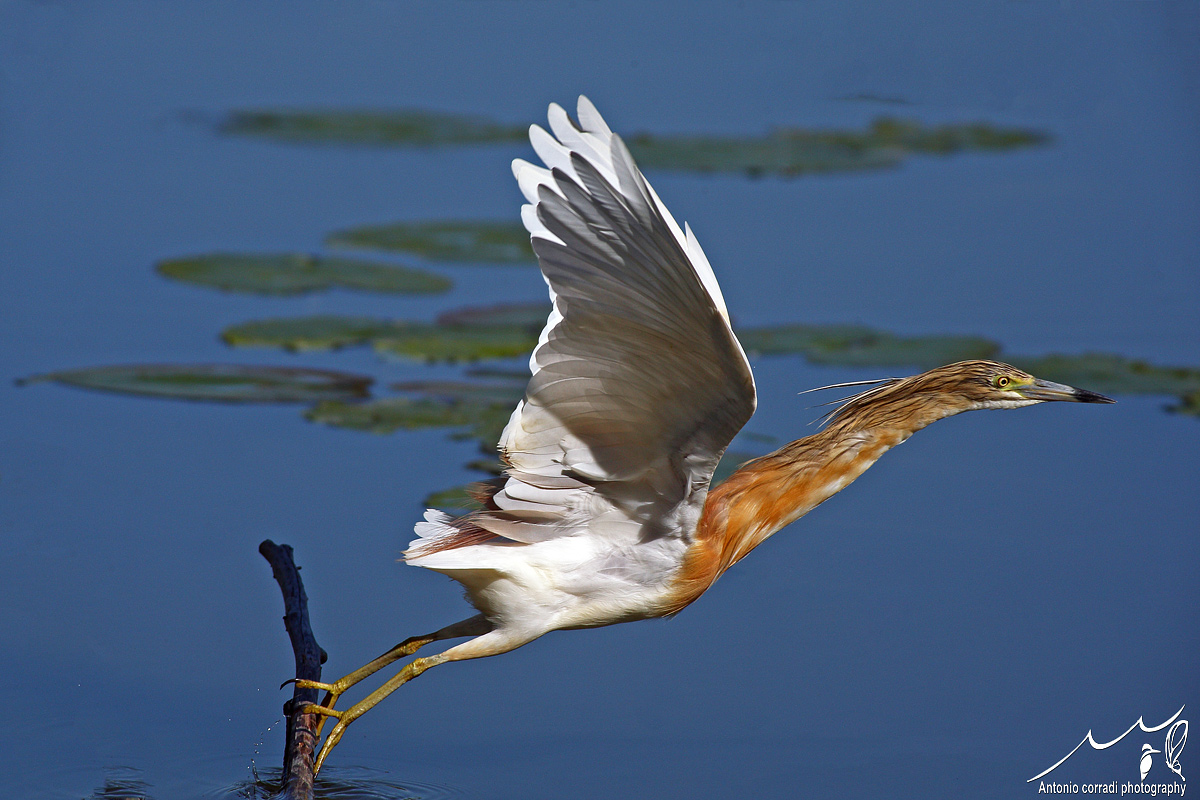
638, 381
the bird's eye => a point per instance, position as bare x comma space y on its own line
1002, 382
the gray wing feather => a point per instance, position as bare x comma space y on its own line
638, 381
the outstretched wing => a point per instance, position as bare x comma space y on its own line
638, 381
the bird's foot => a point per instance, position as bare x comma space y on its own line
343, 719
302, 683
325, 708
324, 711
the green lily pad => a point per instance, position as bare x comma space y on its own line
453, 241
857, 345
509, 393
321, 332
491, 466
796, 151
295, 273
413, 340
457, 501
531, 316
782, 153
914, 137
1189, 404
479, 420
372, 127
227, 383
1106, 373
390, 414
444, 343
488, 420
515, 375
786, 151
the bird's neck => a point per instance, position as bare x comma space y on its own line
771, 492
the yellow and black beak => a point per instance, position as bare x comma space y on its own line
1048, 390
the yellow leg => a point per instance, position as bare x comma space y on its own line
475, 626
336, 689
487, 642
344, 718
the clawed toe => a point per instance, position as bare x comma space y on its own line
301, 683
325, 711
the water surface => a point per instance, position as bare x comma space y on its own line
949, 626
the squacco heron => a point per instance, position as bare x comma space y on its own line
604, 513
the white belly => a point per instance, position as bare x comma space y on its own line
568, 582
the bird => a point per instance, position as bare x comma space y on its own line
604, 512
1147, 760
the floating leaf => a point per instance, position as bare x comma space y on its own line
415, 340
372, 127
487, 424
390, 414
229, 383
795, 151
489, 465
783, 153
514, 375
294, 273
481, 420
455, 241
312, 333
443, 343
914, 137
465, 390
1189, 404
856, 345
1101, 372
525, 315
787, 151
458, 501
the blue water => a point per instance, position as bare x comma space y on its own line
950, 626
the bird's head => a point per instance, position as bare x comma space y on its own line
991, 384
910, 404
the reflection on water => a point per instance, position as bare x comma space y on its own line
122, 784
337, 783
334, 783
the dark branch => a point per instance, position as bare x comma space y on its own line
301, 728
